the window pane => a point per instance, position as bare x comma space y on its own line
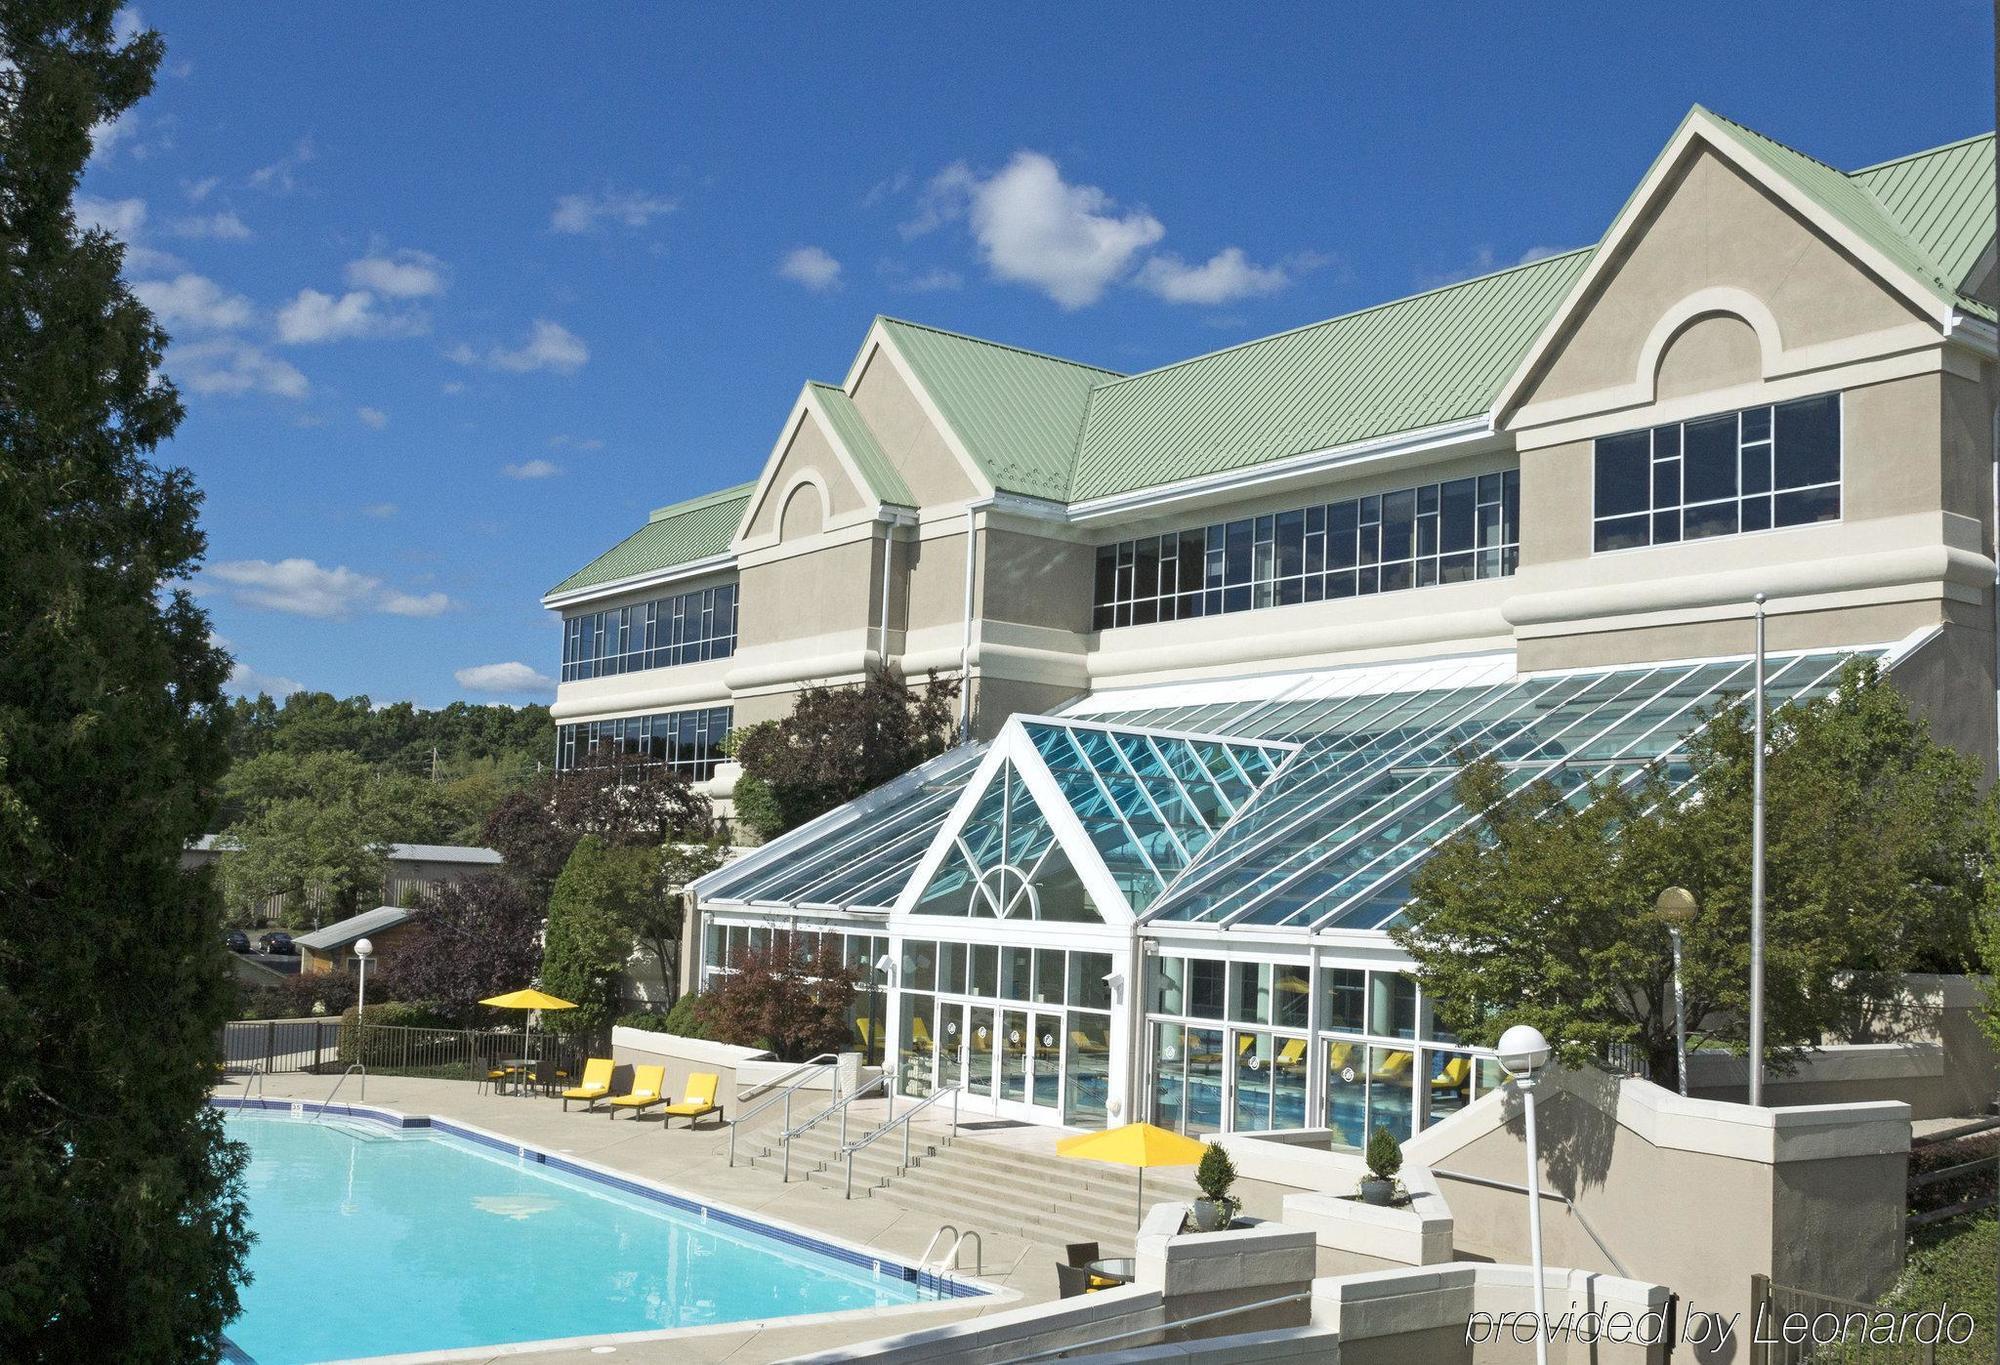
1808, 442
1205, 987
1709, 464
1623, 465
1621, 534
1343, 1005
1799, 509
1716, 519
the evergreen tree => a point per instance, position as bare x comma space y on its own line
122, 1233
588, 942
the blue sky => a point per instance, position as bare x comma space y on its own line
456, 300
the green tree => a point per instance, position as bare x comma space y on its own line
122, 1231
321, 823
793, 997
1540, 912
837, 743
589, 938
656, 920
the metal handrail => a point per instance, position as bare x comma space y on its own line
1161, 1329
1562, 1199
848, 1150
352, 1068
822, 1061
258, 1072
924, 1261
978, 1254
816, 1064
838, 1106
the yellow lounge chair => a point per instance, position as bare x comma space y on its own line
1339, 1057
647, 1083
1084, 1042
1394, 1066
1456, 1073
1291, 1054
920, 1033
699, 1100
596, 1084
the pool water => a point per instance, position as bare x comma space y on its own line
373, 1240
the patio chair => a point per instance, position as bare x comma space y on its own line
596, 1084
1071, 1280
648, 1085
1395, 1066
1081, 1253
1292, 1054
1452, 1079
699, 1100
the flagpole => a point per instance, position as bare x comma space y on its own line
1757, 875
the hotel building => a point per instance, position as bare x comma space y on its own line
1226, 626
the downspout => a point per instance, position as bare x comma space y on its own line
882, 618
1993, 549
965, 643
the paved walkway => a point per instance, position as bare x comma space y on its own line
696, 1163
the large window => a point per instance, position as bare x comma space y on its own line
658, 634
1449, 532
689, 742
1752, 470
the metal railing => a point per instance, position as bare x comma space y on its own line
838, 1106
327, 1103
1163, 1330
1950, 1174
810, 1069
1562, 1199
275, 1046
848, 1149
1771, 1304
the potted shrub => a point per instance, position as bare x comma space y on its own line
1215, 1210
1385, 1158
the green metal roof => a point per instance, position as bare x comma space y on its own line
1417, 362
1942, 200
1017, 412
885, 481
1852, 199
677, 534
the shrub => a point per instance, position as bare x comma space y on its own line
683, 1020
787, 998
1216, 1174
1385, 1154
653, 1021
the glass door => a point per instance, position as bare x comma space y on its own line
979, 1050
1046, 1031
950, 1044
1016, 1042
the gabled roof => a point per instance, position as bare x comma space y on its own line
355, 927
1421, 361
677, 534
1016, 412
884, 480
1941, 205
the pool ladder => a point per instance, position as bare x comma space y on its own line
945, 1267
327, 1103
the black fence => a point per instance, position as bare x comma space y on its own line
1791, 1326
276, 1046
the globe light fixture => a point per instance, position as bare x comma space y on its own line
1675, 906
1524, 1052
363, 950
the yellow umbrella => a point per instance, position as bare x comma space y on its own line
1136, 1144
529, 999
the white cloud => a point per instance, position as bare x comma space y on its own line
509, 677
550, 346
198, 190
315, 317
303, 587
107, 134
193, 301
372, 417
1484, 261
279, 176
380, 511
1035, 228
531, 469
229, 367
401, 275
248, 682
122, 218
567, 442
1226, 277
812, 267
579, 213
224, 226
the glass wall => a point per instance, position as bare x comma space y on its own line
1450, 532
1234, 1045
689, 742
1752, 470
724, 942
683, 629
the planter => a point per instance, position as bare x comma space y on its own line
1213, 1215
1376, 1190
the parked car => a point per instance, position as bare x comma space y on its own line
237, 941
276, 942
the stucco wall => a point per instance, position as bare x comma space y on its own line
808, 453
907, 436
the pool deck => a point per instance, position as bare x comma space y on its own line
695, 1162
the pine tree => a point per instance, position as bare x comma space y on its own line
121, 1224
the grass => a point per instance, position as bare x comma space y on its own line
1954, 1264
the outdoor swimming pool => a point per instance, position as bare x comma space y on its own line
374, 1240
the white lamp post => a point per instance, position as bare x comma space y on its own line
1523, 1052
1676, 906
1757, 877
363, 950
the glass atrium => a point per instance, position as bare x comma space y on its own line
1170, 903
